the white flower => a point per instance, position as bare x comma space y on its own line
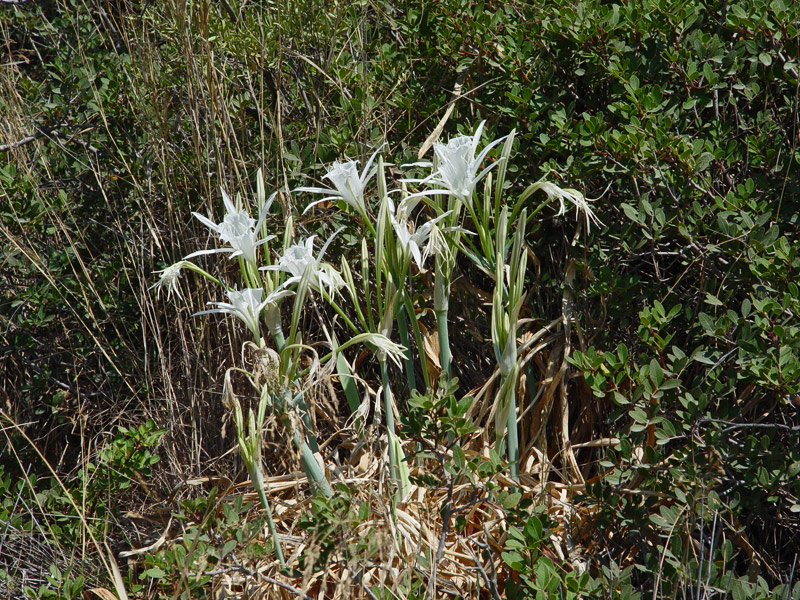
298, 256
247, 305
555, 192
348, 185
382, 344
457, 170
423, 242
169, 280
237, 230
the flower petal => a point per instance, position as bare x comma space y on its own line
203, 252
229, 207
207, 222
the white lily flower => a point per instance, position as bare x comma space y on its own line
395, 352
348, 184
457, 170
169, 280
238, 230
299, 255
247, 305
423, 242
555, 192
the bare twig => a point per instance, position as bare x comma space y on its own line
491, 581
734, 426
40, 132
245, 571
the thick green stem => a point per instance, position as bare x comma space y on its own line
273, 318
511, 437
441, 303
311, 467
402, 329
280, 341
306, 444
305, 415
389, 416
258, 482
444, 342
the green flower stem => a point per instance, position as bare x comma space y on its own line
280, 341
402, 329
484, 235
441, 303
512, 439
521, 204
312, 468
273, 318
306, 444
444, 342
193, 267
387, 407
368, 222
305, 415
257, 478
251, 275
366, 285
350, 286
417, 335
339, 311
